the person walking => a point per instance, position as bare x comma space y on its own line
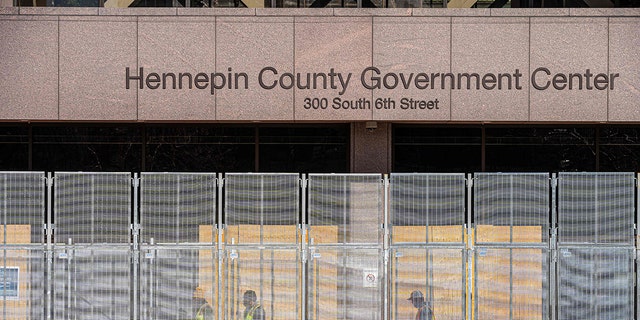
253, 310
202, 308
424, 309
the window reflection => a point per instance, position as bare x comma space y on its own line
87, 148
200, 149
540, 149
317, 149
437, 149
14, 143
619, 149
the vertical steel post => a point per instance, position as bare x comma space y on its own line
220, 228
261, 247
469, 246
637, 244
136, 248
4, 248
49, 246
303, 193
553, 246
385, 247
511, 209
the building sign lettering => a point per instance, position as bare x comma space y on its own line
371, 78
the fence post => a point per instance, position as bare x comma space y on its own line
469, 248
136, 248
553, 246
49, 247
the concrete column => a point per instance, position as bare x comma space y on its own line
370, 147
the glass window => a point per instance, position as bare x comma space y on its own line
14, 143
316, 149
437, 149
87, 148
200, 149
540, 149
620, 149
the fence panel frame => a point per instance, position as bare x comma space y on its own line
342, 244
232, 250
564, 247
482, 247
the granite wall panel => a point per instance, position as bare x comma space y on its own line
94, 54
567, 57
496, 51
171, 47
624, 59
336, 66
339, 48
29, 68
406, 52
262, 50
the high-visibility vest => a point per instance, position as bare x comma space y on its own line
252, 311
427, 310
201, 310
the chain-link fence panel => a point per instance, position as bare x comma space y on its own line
22, 207
92, 283
596, 208
595, 283
264, 283
427, 208
22, 274
177, 208
92, 207
345, 283
511, 283
345, 209
262, 208
439, 275
178, 283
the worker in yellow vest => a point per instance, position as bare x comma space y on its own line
253, 310
203, 310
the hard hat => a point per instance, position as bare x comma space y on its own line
198, 293
416, 295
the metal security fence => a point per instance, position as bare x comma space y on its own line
511, 260
427, 233
262, 241
345, 272
596, 245
177, 254
22, 263
92, 246
318, 246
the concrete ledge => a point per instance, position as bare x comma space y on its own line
100, 18
223, 12
138, 11
294, 12
325, 12
604, 12
9, 10
18, 17
72, 11
530, 12
372, 12
445, 12
489, 20
254, 19
176, 19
